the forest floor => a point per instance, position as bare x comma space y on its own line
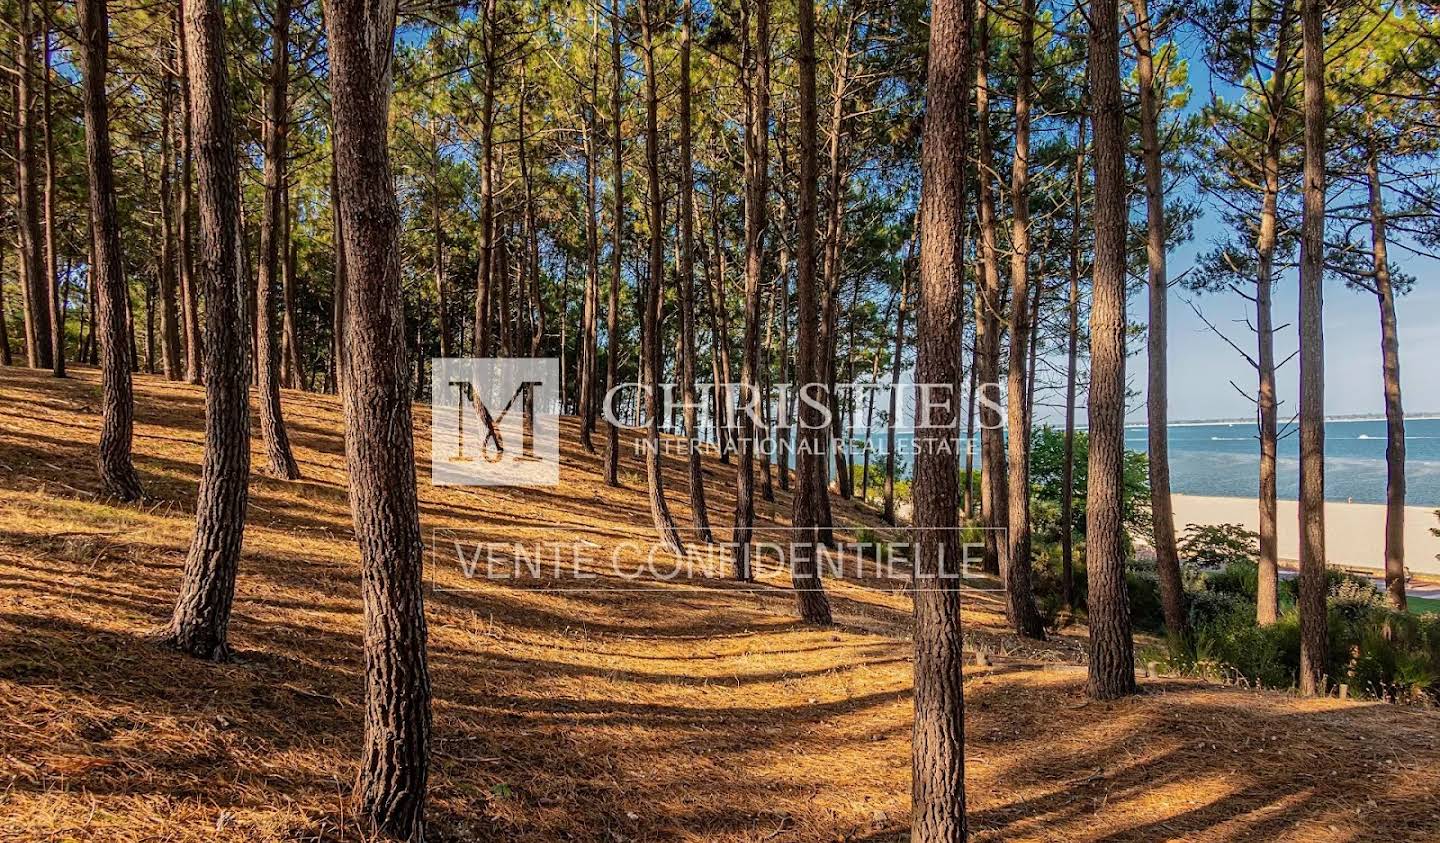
680, 712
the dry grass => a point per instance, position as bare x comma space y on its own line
681, 714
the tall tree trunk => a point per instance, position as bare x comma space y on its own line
273, 250
1112, 660
485, 282
766, 383
1072, 353
379, 442
1167, 559
293, 372
654, 326
189, 295
989, 303
1314, 638
757, 188
701, 517
892, 417
1267, 404
810, 453
27, 209
338, 296
589, 352
784, 412
117, 407
531, 275
831, 267
720, 332
437, 265
1016, 576
937, 755
617, 235
54, 300
169, 304
207, 589
1394, 410
5, 358
969, 492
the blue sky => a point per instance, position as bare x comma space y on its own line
1202, 365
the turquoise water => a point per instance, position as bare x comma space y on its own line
1224, 460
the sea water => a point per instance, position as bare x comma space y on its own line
1223, 459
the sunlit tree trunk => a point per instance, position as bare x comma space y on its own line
27, 207
757, 182
1112, 660
810, 455
937, 791
1267, 403
686, 222
169, 275
379, 447
1314, 639
189, 294
54, 301
1390, 374
989, 303
1019, 602
654, 327
1167, 559
207, 589
273, 250
589, 353
617, 241
1072, 353
117, 471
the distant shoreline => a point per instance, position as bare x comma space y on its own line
1334, 419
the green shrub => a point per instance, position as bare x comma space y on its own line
1237, 578
1206, 608
1219, 545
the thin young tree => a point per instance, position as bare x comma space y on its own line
117, 403
892, 419
379, 446
937, 754
653, 325
686, 222
1314, 637
757, 186
274, 248
617, 240
989, 302
1020, 607
1167, 559
53, 298
189, 294
1072, 354
590, 313
169, 276
201, 618
1112, 660
27, 207
810, 454
1384, 288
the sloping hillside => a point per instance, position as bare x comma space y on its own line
678, 712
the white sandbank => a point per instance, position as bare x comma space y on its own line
1354, 532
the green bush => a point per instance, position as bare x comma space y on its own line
1218, 545
1238, 579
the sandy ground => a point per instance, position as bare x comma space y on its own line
1354, 532
703, 713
